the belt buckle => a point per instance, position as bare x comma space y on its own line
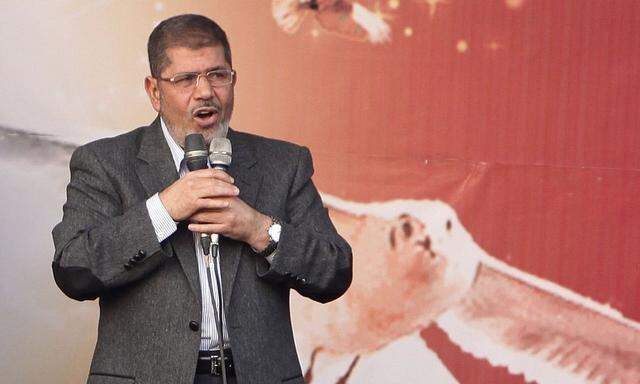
216, 366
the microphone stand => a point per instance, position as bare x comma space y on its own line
209, 242
211, 257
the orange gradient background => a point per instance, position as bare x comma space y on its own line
532, 133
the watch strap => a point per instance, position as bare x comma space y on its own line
273, 245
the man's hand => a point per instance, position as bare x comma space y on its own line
197, 190
209, 200
237, 221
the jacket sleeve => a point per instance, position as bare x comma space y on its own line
100, 245
311, 256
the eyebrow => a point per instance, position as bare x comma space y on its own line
206, 70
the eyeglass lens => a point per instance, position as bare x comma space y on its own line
217, 78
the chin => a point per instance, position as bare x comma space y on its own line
217, 130
212, 132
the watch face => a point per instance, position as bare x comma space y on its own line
274, 231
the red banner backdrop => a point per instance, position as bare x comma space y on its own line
482, 157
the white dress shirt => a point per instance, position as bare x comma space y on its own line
164, 227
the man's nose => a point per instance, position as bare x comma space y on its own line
203, 88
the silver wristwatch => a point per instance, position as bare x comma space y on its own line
274, 237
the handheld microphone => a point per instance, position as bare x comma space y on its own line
195, 153
220, 153
219, 158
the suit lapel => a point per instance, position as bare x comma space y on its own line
156, 171
248, 180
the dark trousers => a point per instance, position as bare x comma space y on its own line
210, 379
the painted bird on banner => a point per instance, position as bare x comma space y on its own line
347, 19
416, 266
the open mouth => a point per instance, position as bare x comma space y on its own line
205, 115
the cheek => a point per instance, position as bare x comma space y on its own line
175, 107
226, 99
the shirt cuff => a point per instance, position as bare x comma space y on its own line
163, 223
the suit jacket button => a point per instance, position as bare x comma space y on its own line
140, 255
194, 326
127, 266
303, 280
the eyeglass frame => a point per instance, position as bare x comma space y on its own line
198, 74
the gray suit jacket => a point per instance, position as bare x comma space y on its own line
150, 304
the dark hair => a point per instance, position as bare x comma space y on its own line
190, 31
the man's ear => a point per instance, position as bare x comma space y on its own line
151, 86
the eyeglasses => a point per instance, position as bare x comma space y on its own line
189, 80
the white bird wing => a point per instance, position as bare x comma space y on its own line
35, 172
353, 21
289, 14
378, 31
350, 20
543, 331
23, 145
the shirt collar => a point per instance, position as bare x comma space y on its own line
177, 153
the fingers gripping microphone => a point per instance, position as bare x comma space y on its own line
195, 154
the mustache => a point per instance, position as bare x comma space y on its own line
207, 104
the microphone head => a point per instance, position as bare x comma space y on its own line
195, 151
220, 153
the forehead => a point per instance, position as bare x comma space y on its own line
183, 59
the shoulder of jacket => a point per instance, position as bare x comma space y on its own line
270, 147
119, 145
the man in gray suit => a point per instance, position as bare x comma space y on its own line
128, 235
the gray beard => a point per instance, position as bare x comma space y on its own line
223, 129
